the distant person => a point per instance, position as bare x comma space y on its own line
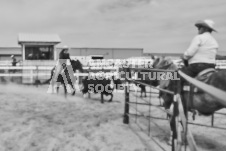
14, 61
62, 61
61, 67
201, 54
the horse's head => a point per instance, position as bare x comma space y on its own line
166, 64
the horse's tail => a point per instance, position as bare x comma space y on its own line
48, 80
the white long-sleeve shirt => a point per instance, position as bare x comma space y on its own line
203, 49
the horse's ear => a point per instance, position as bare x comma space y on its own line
156, 61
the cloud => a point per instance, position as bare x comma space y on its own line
156, 25
117, 5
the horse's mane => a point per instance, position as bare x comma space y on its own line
76, 65
164, 63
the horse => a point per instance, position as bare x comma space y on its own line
202, 102
76, 65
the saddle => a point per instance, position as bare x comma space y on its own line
204, 75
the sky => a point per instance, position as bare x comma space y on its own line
164, 26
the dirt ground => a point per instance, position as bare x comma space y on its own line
33, 120
206, 138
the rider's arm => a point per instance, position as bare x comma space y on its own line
192, 49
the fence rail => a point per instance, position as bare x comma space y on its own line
31, 73
50, 67
34, 74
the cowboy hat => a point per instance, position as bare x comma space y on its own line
205, 23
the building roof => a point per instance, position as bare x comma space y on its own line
10, 51
38, 38
162, 54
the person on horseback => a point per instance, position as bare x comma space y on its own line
202, 51
61, 67
62, 61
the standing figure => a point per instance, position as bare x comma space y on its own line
14, 62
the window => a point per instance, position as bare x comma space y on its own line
39, 53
